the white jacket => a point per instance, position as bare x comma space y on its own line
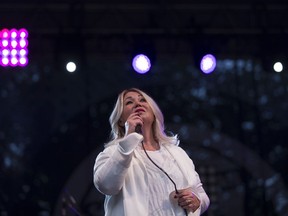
120, 174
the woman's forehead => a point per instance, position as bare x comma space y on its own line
132, 94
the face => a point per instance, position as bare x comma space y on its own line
135, 102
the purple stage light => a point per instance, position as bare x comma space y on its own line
23, 52
208, 63
4, 61
141, 64
13, 47
23, 61
23, 33
13, 33
5, 52
13, 53
23, 43
13, 43
13, 61
4, 43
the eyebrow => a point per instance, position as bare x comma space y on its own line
132, 97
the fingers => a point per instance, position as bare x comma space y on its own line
132, 121
187, 200
189, 204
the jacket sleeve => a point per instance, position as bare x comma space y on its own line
200, 193
111, 165
195, 181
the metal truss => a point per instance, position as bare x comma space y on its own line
158, 18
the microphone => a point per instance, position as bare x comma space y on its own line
138, 129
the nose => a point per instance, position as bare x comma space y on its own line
137, 103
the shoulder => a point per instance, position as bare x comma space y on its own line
175, 148
130, 138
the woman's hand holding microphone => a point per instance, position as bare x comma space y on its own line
132, 123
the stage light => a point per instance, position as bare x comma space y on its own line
5, 52
23, 61
71, 67
4, 61
23, 52
13, 33
278, 67
13, 47
141, 63
5, 43
23, 43
208, 64
13, 61
4, 33
23, 33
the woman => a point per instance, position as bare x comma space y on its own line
142, 171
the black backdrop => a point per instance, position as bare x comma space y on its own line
232, 122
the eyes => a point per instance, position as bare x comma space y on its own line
131, 101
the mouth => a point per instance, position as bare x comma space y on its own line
140, 110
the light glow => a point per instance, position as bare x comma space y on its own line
13, 47
278, 67
208, 64
5, 43
71, 67
141, 64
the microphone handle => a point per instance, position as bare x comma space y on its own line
138, 129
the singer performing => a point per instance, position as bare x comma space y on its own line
142, 171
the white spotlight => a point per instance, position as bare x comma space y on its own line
278, 67
71, 67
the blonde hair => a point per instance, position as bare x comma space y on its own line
118, 131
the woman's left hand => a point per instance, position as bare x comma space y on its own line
187, 200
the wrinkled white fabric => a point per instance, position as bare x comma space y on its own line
121, 174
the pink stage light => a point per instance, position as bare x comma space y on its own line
4, 61
13, 47
4, 43
4, 33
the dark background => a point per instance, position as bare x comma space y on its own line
233, 122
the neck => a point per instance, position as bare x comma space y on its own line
150, 143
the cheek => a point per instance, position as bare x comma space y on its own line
125, 114
150, 115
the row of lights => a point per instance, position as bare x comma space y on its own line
142, 64
13, 47
14, 51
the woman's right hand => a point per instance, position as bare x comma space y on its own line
132, 121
